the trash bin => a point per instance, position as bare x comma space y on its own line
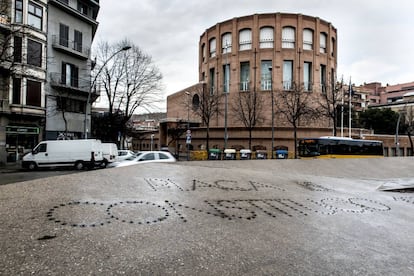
230, 154
245, 154
281, 154
261, 154
214, 154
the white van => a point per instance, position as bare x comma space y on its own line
110, 153
65, 153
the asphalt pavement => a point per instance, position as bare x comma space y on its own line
245, 217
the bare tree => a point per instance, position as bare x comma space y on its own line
248, 107
206, 106
130, 80
295, 106
329, 102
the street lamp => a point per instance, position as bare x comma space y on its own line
188, 135
273, 111
226, 92
85, 130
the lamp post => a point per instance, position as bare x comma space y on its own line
85, 129
273, 111
188, 135
226, 92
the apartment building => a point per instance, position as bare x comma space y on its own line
71, 28
23, 76
45, 70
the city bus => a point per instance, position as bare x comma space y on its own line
339, 147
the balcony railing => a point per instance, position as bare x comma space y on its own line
307, 86
73, 83
287, 85
244, 86
266, 85
71, 47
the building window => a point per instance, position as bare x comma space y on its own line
63, 35
78, 41
82, 8
266, 37
34, 53
266, 75
18, 15
226, 78
288, 37
226, 43
287, 74
35, 16
212, 80
244, 76
71, 105
307, 39
322, 71
245, 39
64, 1
307, 76
322, 43
17, 87
213, 47
17, 49
70, 75
333, 47
203, 52
33, 93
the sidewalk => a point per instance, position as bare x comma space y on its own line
10, 167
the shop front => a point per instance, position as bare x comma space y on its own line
20, 140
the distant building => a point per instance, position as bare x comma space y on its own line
260, 53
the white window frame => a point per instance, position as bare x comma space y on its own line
266, 38
288, 37
307, 39
287, 74
245, 39
323, 37
226, 43
213, 47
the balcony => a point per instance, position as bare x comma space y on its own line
70, 47
245, 86
266, 85
74, 85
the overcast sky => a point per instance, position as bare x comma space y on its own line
375, 37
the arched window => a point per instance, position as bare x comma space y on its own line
213, 47
196, 102
322, 43
266, 37
288, 37
307, 39
226, 43
245, 39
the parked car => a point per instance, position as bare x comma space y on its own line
110, 153
125, 154
65, 153
145, 157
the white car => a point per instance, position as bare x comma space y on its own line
125, 154
145, 157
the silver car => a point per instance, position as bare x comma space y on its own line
145, 157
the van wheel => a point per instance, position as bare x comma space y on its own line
32, 166
79, 165
104, 164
